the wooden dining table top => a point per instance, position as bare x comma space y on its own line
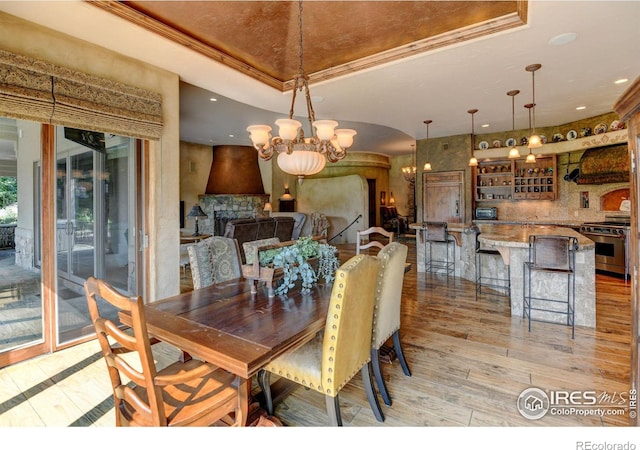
226, 325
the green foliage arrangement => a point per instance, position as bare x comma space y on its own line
294, 261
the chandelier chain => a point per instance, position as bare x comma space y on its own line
300, 69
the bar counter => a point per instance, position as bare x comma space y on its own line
512, 241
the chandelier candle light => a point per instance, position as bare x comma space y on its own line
409, 173
298, 155
427, 165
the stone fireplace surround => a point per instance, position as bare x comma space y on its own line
221, 208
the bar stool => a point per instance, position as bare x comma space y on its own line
500, 287
437, 233
554, 256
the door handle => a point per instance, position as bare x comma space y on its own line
457, 208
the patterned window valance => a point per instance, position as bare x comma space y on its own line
36, 90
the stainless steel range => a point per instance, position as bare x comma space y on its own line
612, 247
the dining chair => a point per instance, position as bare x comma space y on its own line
329, 361
191, 393
364, 241
386, 315
214, 260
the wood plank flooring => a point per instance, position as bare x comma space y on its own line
469, 360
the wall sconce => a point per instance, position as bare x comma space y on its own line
287, 195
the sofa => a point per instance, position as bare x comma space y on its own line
299, 219
245, 230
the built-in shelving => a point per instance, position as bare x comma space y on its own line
501, 180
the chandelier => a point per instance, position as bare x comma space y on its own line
409, 172
298, 155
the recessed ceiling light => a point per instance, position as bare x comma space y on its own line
563, 39
213, 99
621, 80
580, 108
232, 135
486, 125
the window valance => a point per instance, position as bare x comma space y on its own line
43, 92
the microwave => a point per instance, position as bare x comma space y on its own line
487, 213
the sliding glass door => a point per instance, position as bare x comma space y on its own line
95, 222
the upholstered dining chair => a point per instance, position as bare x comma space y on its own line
386, 315
329, 361
191, 393
364, 241
214, 260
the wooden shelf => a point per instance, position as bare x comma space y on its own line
515, 180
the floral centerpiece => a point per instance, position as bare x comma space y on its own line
297, 261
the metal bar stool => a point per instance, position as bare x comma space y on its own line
498, 286
437, 233
554, 256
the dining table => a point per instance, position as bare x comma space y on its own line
229, 326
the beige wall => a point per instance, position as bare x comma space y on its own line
341, 199
22, 37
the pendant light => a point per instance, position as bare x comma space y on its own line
427, 165
531, 158
513, 151
534, 139
473, 162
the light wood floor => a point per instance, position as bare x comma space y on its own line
469, 360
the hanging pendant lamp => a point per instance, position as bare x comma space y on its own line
534, 139
473, 162
427, 165
513, 151
531, 158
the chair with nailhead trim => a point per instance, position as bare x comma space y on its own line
329, 361
386, 315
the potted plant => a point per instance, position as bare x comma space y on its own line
300, 261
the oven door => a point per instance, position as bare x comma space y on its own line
610, 253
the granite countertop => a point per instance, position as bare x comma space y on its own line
560, 223
518, 236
